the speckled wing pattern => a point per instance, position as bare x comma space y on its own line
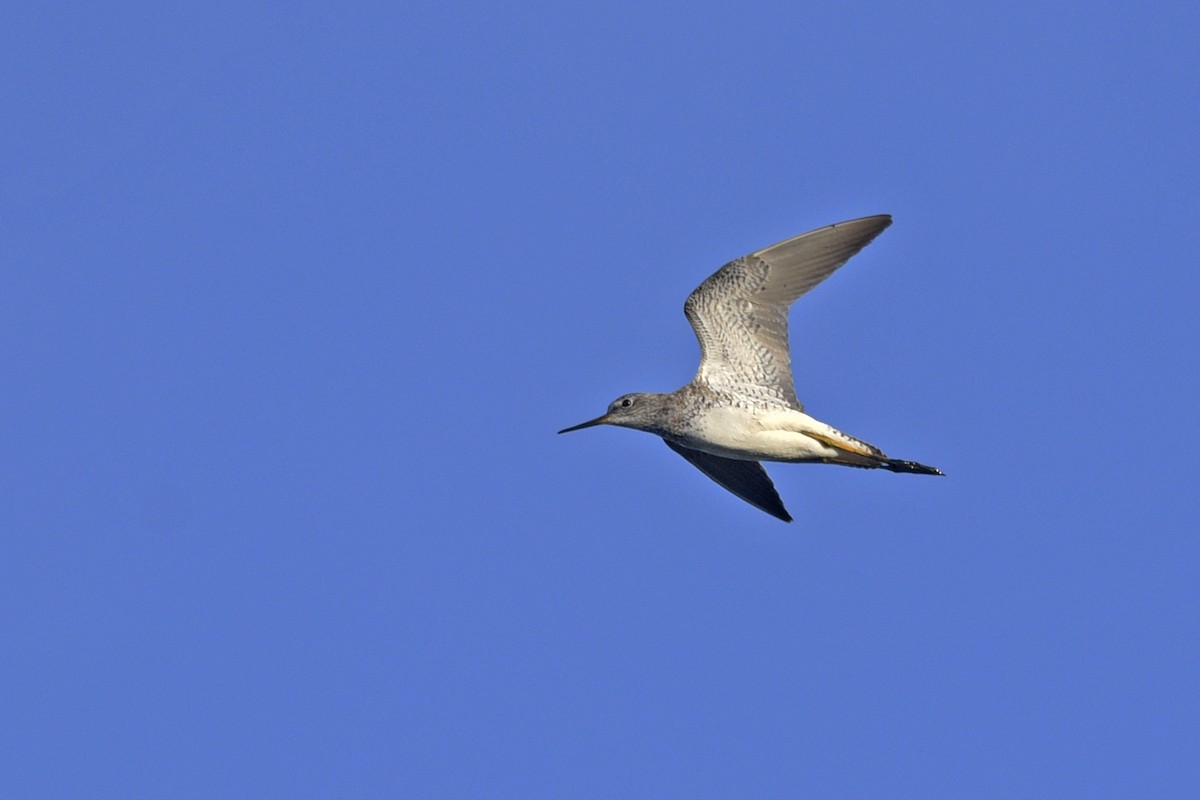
740, 313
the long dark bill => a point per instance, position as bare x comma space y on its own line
600, 420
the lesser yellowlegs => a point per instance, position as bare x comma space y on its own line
741, 408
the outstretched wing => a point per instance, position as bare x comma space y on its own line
747, 479
740, 313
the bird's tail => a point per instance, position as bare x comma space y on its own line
857, 453
896, 465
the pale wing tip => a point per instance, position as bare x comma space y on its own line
882, 220
862, 229
879, 222
867, 228
857, 232
876, 223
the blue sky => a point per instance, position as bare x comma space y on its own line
294, 299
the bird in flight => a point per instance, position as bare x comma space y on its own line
741, 408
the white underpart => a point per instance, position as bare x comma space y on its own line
766, 435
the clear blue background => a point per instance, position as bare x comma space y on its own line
293, 298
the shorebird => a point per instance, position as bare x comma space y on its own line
741, 408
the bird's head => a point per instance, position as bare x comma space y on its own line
638, 411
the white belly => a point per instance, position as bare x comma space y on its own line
761, 435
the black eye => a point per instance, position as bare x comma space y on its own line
626, 402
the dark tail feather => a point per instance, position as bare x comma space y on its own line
896, 465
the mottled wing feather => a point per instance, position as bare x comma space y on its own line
747, 479
740, 313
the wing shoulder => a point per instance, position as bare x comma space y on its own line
722, 303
